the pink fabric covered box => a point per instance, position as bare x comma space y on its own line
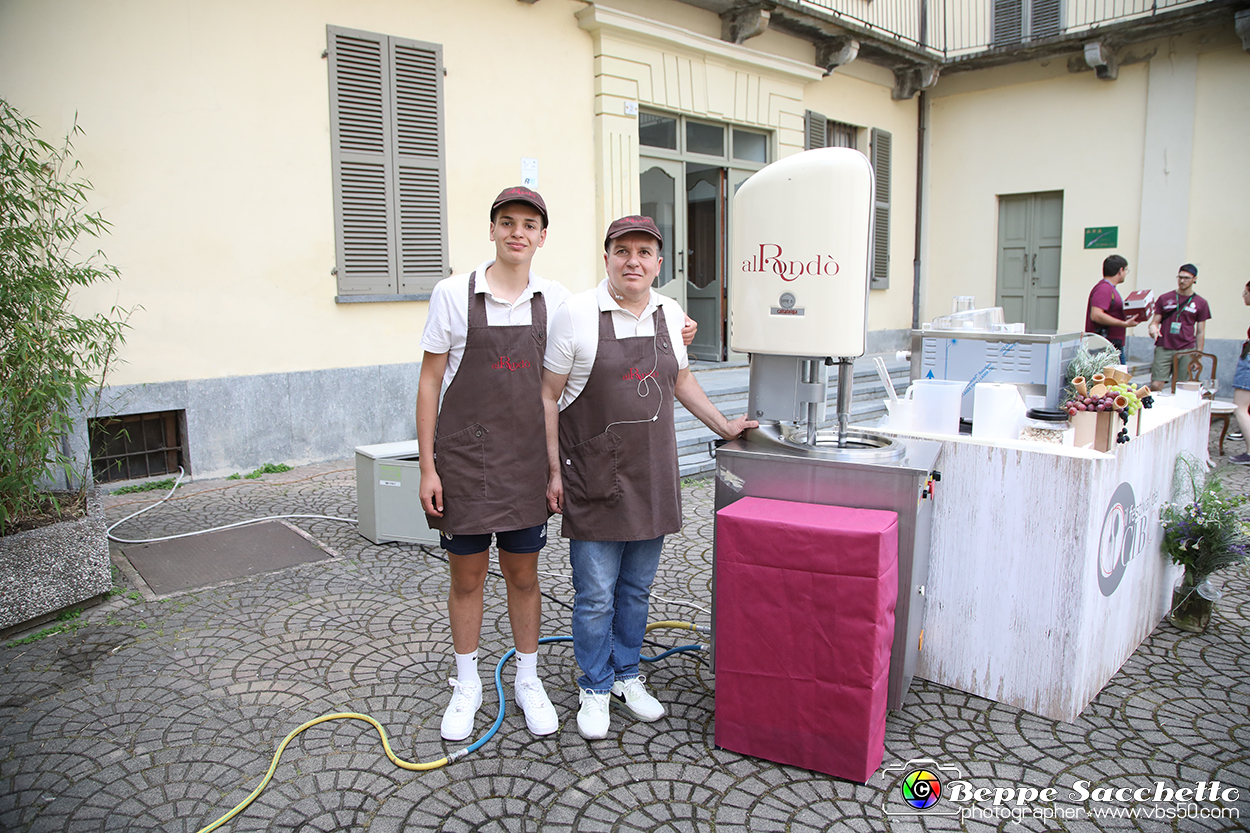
805, 598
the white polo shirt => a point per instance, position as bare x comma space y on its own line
447, 326
573, 339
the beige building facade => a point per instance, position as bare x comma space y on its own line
278, 248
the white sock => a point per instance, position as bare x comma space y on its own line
466, 668
526, 666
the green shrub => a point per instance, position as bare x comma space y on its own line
52, 361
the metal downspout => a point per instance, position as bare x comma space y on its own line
921, 125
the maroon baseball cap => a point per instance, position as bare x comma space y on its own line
519, 193
634, 222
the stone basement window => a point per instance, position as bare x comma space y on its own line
136, 446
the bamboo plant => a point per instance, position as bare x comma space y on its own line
52, 359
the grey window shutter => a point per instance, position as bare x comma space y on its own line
387, 153
1045, 18
364, 226
420, 167
815, 130
1008, 22
880, 158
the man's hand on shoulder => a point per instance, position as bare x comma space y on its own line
688, 330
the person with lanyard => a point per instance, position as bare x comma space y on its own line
1179, 323
483, 454
613, 368
1241, 390
1104, 314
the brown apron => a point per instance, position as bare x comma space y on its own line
618, 466
490, 447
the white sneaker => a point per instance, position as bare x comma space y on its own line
592, 716
465, 700
634, 695
540, 715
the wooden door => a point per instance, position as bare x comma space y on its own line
1030, 231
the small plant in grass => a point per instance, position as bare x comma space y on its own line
268, 468
52, 360
150, 486
67, 622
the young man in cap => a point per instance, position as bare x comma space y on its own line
1179, 323
484, 341
613, 367
483, 452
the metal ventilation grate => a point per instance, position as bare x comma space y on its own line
135, 446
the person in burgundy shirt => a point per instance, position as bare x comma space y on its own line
1104, 314
1179, 323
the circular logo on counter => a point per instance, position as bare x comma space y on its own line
786, 301
921, 789
1115, 542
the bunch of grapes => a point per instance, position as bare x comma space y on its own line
1078, 403
1115, 397
1128, 393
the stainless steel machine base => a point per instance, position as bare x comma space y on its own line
870, 472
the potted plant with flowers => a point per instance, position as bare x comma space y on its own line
53, 358
1203, 531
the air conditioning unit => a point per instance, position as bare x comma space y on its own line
388, 494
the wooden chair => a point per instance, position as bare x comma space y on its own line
1189, 366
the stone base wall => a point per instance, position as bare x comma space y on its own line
46, 569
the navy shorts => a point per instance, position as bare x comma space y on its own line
1241, 377
519, 541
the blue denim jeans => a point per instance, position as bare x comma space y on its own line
612, 590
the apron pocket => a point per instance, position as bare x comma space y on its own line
589, 470
460, 460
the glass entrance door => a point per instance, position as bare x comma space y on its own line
690, 170
736, 178
705, 258
658, 194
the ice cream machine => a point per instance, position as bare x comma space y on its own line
798, 304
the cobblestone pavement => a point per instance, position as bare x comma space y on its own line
163, 714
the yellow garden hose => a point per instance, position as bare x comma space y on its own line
395, 759
441, 762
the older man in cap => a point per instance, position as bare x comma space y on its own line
614, 365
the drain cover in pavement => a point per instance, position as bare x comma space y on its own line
205, 560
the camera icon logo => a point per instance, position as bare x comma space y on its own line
919, 789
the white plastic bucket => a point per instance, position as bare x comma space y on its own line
997, 411
900, 411
936, 405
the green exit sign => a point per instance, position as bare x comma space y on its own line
1104, 237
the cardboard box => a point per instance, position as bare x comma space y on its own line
1098, 429
1140, 302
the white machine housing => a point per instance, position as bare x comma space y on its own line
801, 240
